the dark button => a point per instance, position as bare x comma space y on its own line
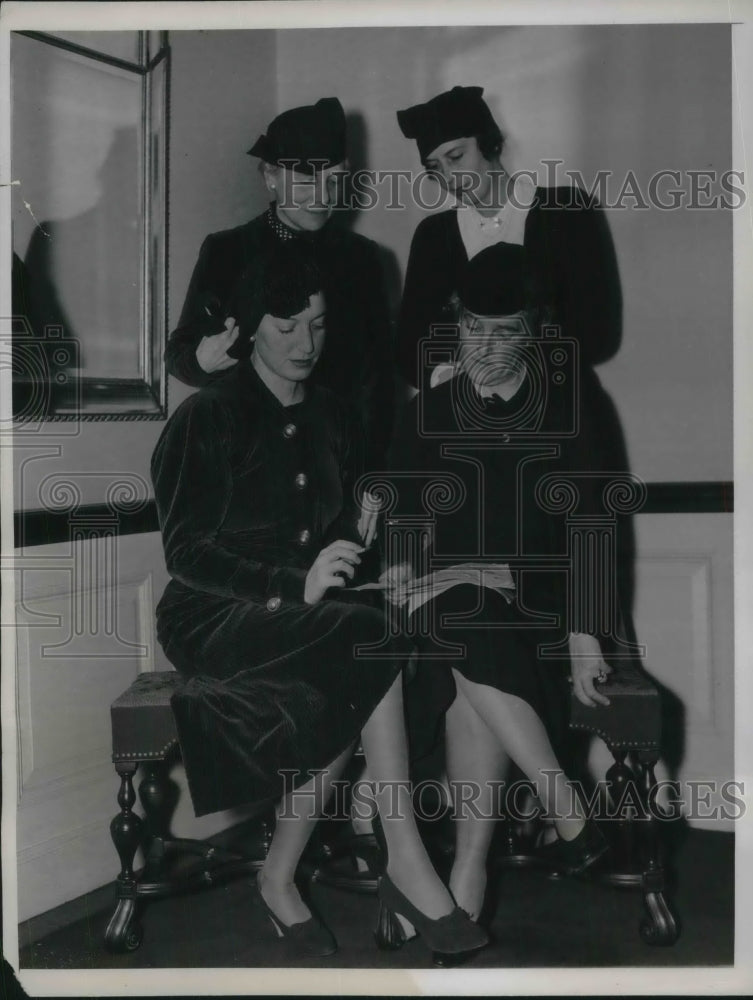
304, 537
301, 481
273, 603
289, 430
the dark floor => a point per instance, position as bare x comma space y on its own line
539, 921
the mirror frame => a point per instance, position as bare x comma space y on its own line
143, 396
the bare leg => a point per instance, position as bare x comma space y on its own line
297, 815
385, 747
523, 735
475, 761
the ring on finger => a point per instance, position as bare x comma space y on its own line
601, 677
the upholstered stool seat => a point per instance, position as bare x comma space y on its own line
630, 726
144, 734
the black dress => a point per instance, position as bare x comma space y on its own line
498, 455
570, 264
357, 360
248, 492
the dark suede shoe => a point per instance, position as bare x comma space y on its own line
573, 856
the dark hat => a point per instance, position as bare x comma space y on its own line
454, 114
494, 282
309, 138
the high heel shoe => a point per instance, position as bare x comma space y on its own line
452, 938
309, 937
574, 856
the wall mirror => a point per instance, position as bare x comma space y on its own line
89, 126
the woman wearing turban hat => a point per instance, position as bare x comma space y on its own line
568, 250
303, 159
503, 415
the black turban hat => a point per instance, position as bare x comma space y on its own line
494, 282
308, 139
455, 114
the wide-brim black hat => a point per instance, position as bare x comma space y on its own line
455, 114
308, 139
495, 281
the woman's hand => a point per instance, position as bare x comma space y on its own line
587, 665
397, 579
212, 351
333, 567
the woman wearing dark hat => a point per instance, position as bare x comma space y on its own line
568, 250
303, 160
253, 479
500, 418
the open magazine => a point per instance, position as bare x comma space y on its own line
495, 576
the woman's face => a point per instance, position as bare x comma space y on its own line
289, 348
492, 348
461, 168
305, 201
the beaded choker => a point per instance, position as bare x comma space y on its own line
283, 232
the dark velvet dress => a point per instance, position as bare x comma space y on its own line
248, 492
501, 455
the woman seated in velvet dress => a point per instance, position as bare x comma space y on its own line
501, 415
254, 478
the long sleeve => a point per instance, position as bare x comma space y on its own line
210, 299
577, 254
376, 390
432, 262
193, 484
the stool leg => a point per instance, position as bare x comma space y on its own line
124, 932
659, 926
157, 795
619, 779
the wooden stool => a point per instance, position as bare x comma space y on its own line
631, 724
144, 733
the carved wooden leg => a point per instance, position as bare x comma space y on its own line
124, 932
619, 779
157, 795
659, 926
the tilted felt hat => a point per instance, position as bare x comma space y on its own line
454, 114
494, 282
308, 139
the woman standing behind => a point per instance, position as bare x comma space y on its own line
569, 254
303, 162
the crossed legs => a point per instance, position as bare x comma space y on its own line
385, 747
485, 727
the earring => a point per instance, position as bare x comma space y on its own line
273, 186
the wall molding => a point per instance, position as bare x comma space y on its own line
50, 526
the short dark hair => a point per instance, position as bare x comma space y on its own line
490, 141
289, 276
